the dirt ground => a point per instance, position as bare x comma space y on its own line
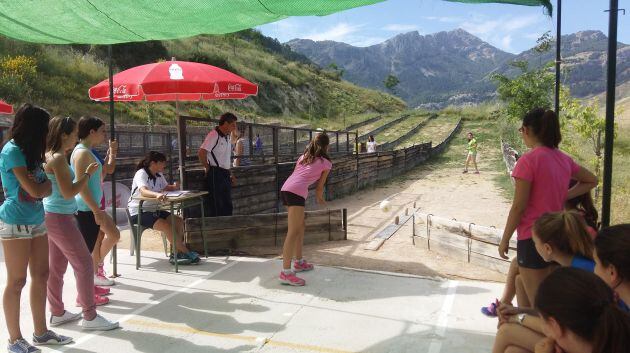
439, 189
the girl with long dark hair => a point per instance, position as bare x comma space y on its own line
65, 241
149, 181
313, 166
612, 260
23, 232
90, 216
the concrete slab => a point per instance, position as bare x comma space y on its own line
237, 305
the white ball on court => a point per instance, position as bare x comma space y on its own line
385, 206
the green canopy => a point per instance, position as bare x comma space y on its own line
545, 3
109, 22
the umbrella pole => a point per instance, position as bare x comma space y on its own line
112, 136
610, 110
558, 58
181, 139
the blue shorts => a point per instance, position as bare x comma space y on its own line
148, 219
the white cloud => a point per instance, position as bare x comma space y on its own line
398, 27
445, 19
517, 23
340, 32
366, 41
506, 42
501, 31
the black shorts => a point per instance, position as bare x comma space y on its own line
148, 219
291, 199
528, 257
88, 227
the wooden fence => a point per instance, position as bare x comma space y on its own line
392, 144
383, 127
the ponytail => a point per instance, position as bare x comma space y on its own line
545, 126
318, 147
581, 302
152, 156
566, 232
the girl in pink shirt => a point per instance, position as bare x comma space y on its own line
541, 177
313, 166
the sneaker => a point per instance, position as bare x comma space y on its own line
98, 300
101, 270
301, 266
182, 259
21, 346
464, 172
477, 172
103, 281
490, 310
102, 291
291, 279
99, 323
65, 318
51, 338
193, 256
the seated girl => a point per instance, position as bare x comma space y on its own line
559, 237
149, 181
579, 314
612, 260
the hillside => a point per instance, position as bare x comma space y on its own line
290, 86
453, 67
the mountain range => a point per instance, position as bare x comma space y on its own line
454, 67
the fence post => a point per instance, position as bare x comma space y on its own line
295, 142
275, 145
347, 142
337, 134
344, 215
250, 132
429, 231
145, 143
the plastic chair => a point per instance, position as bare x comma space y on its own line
136, 235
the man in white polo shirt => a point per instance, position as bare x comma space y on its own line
215, 155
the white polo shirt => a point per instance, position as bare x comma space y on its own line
219, 149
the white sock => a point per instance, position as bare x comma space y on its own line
286, 272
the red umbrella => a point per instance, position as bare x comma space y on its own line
5, 108
174, 81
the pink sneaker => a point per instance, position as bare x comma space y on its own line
302, 266
101, 291
291, 279
98, 300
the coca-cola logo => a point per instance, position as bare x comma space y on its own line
234, 87
121, 90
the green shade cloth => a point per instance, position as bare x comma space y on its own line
120, 21
545, 3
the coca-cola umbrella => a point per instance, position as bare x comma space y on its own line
5, 108
174, 81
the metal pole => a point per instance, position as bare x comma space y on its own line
610, 110
112, 136
181, 138
558, 59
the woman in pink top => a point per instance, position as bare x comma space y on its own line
313, 166
541, 177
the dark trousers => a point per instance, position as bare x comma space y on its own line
219, 200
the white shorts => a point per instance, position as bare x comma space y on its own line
15, 231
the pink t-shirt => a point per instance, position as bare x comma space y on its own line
549, 172
304, 175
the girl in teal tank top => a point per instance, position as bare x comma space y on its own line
94, 184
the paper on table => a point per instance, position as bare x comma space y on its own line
174, 193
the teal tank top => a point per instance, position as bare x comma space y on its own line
56, 203
94, 184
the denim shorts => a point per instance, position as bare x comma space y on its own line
18, 231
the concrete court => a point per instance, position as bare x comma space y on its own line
237, 305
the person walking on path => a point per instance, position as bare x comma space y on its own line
65, 241
23, 231
215, 155
472, 153
313, 166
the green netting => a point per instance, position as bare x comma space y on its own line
118, 21
545, 3
108, 22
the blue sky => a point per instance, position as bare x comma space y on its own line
507, 27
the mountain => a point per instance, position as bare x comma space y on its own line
58, 77
454, 67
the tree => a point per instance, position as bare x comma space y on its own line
391, 82
336, 69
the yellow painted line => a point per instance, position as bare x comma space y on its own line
252, 339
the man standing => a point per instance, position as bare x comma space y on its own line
215, 156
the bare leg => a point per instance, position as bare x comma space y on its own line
531, 280
164, 226
509, 291
38, 268
521, 296
467, 162
296, 220
473, 158
112, 236
16, 255
510, 335
96, 252
299, 243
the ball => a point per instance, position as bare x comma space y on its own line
385, 206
